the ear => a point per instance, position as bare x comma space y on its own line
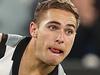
33, 29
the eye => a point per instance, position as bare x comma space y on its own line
53, 27
69, 32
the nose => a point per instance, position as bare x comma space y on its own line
60, 38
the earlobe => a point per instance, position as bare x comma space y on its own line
33, 29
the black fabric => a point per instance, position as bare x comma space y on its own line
2, 45
18, 55
2, 50
4, 39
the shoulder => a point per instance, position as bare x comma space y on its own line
10, 39
8, 43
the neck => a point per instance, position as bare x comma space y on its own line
30, 65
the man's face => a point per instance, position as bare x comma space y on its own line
55, 36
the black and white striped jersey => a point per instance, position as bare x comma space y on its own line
8, 45
12, 48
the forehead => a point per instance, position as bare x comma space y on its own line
58, 15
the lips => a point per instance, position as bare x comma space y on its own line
56, 50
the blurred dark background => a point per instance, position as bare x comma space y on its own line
84, 59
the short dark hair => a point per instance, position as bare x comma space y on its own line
44, 5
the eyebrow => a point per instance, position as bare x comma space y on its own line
71, 25
55, 22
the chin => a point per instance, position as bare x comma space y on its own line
53, 63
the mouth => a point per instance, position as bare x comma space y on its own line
56, 50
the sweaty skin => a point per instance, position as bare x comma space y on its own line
51, 42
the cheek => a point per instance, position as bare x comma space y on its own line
68, 45
43, 36
69, 42
72, 38
47, 36
43, 39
